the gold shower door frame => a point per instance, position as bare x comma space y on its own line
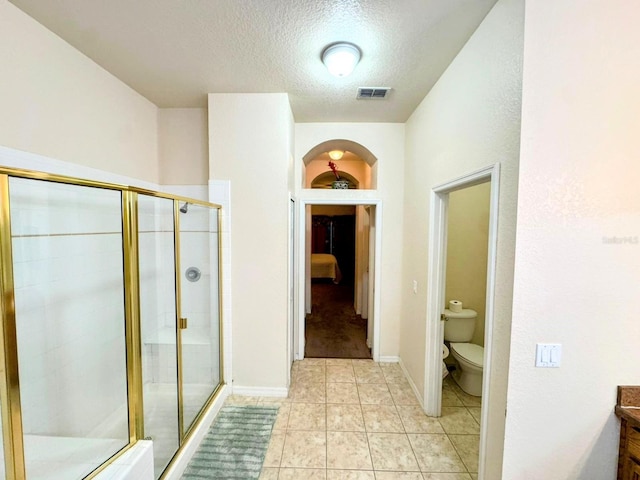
12, 432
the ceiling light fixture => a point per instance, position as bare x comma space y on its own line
341, 58
336, 154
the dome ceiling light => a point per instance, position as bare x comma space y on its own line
336, 154
341, 58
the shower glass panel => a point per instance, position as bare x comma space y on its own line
199, 300
67, 245
156, 257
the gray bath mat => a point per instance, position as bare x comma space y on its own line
236, 444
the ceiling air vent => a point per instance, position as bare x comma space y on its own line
372, 92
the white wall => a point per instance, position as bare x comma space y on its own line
471, 119
183, 151
578, 189
467, 251
249, 145
59, 103
386, 142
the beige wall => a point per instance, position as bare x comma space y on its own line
575, 285
470, 120
386, 143
183, 146
467, 248
58, 103
259, 176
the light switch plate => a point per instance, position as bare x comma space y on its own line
548, 355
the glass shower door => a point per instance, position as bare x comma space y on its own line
156, 239
199, 307
67, 244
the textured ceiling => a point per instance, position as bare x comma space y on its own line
174, 52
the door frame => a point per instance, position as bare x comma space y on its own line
320, 197
439, 200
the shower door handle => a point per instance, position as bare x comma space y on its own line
183, 324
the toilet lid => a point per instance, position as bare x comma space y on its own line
471, 352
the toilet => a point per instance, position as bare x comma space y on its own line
445, 354
469, 357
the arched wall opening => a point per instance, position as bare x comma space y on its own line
358, 165
357, 162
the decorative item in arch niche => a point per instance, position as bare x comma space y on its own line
338, 183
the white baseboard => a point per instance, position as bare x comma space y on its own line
412, 383
389, 359
261, 391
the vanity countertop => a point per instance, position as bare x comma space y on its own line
628, 404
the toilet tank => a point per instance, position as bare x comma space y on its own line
460, 325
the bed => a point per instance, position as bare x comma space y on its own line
325, 265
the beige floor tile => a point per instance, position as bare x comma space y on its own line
367, 367
302, 473
304, 450
403, 394
466, 399
363, 362
348, 450
371, 374
392, 375
339, 361
342, 393
476, 413
382, 418
390, 365
340, 374
469, 400
241, 400
309, 362
350, 475
435, 453
415, 421
274, 401
273, 456
458, 420
467, 447
446, 476
392, 451
474, 476
308, 416
398, 476
268, 473
374, 394
309, 393
310, 374
344, 418
450, 399
283, 417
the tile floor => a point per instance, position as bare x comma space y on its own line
359, 420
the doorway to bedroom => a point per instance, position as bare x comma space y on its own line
336, 326
337, 308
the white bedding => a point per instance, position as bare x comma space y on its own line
325, 265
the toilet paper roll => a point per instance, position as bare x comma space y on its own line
455, 306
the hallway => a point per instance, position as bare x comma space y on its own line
359, 420
333, 329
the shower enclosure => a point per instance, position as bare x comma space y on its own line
111, 328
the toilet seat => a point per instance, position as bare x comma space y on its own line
472, 353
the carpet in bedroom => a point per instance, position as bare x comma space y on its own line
333, 330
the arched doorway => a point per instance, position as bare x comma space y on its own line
359, 166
